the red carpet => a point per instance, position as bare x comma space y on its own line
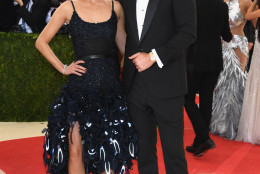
24, 156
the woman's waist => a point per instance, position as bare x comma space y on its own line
239, 30
98, 62
237, 40
95, 56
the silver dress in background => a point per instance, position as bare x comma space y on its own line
229, 92
249, 126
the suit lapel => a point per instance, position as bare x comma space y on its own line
132, 18
151, 9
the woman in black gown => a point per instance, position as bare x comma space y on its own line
89, 130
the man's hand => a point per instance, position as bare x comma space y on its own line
142, 61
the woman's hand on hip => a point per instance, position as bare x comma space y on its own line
75, 68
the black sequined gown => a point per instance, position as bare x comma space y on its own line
96, 101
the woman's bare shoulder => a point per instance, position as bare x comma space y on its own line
66, 6
64, 11
118, 8
246, 3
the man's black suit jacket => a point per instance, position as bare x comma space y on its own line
169, 28
36, 19
213, 23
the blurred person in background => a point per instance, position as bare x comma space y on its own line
205, 62
249, 31
229, 92
54, 5
248, 129
32, 14
8, 16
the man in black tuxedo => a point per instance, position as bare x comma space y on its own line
205, 63
36, 16
154, 77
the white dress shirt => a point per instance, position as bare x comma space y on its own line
141, 7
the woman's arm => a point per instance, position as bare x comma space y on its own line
62, 15
253, 11
121, 34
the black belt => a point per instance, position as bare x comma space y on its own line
96, 56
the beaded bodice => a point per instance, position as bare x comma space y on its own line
235, 15
93, 38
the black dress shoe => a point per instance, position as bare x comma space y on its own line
191, 149
204, 147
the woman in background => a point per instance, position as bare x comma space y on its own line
89, 130
229, 91
249, 126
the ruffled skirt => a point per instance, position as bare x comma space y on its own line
97, 103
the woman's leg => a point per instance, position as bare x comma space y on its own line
76, 165
242, 58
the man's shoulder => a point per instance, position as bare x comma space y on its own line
218, 4
210, 3
222, 4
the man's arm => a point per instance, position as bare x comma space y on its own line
250, 34
186, 22
226, 33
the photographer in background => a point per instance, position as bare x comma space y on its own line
54, 5
8, 16
33, 14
